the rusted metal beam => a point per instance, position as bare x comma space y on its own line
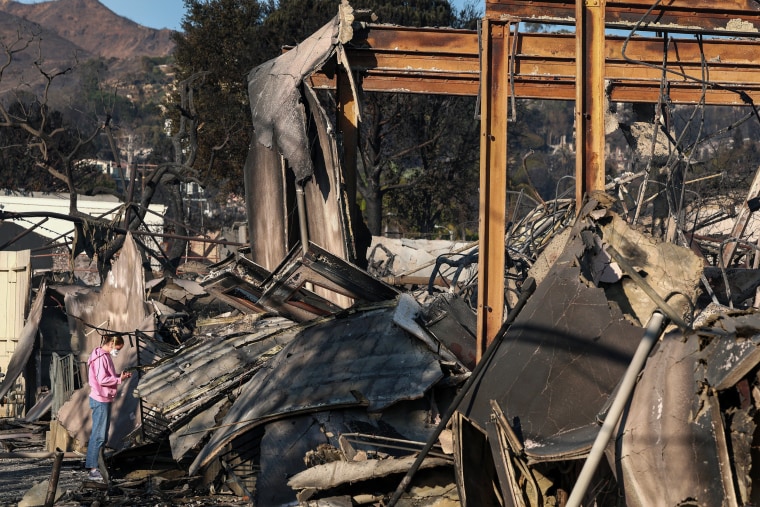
589, 98
444, 61
413, 60
493, 181
564, 89
732, 17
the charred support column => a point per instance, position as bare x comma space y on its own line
589, 97
494, 91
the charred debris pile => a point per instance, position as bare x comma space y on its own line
254, 387
626, 371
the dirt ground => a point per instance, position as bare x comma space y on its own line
19, 475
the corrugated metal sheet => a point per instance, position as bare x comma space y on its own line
359, 359
177, 389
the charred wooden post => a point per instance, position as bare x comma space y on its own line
589, 97
53, 483
493, 180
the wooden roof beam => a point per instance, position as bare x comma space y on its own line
737, 17
441, 61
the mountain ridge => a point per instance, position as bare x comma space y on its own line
90, 26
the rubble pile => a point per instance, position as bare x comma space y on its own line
301, 402
319, 367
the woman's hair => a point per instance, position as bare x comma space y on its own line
112, 338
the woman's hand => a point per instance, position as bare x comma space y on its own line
125, 375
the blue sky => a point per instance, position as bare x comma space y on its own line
167, 13
150, 13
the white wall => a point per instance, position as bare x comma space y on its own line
107, 206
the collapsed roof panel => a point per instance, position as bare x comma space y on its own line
188, 436
293, 289
237, 281
673, 429
560, 360
170, 381
549, 381
357, 359
704, 388
293, 181
290, 290
179, 387
321, 269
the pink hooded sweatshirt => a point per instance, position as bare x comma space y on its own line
102, 376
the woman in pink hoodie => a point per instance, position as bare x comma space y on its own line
103, 381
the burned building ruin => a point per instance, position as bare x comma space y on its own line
310, 367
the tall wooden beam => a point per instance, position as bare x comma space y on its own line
589, 97
445, 61
494, 93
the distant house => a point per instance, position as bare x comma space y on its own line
105, 166
121, 175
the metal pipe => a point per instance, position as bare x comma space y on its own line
22, 234
303, 226
652, 334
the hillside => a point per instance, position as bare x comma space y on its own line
57, 53
89, 25
77, 35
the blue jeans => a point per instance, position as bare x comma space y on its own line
101, 416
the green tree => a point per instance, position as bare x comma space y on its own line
429, 176
220, 42
224, 39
